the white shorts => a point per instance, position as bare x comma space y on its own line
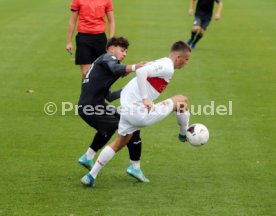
133, 118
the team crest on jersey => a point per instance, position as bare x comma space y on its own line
158, 67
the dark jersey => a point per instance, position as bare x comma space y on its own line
101, 75
204, 9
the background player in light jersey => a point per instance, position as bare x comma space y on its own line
138, 109
203, 15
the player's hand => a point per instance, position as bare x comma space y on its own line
69, 48
217, 17
148, 104
190, 12
140, 64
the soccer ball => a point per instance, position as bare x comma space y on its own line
197, 134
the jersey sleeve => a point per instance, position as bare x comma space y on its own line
111, 96
109, 6
114, 65
75, 5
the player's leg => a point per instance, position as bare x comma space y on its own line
182, 115
99, 141
177, 103
84, 68
203, 28
106, 125
195, 30
198, 37
105, 156
161, 110
135, 149
134, 145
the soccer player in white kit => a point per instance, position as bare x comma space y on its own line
138, 109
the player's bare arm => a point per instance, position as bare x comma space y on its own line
218, 13
191, 8
72, 26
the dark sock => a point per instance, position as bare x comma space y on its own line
193, 35
135, 146
198, 37
99, 141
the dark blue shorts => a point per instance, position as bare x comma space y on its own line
203, 23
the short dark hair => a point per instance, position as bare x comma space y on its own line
117, 41
180, 46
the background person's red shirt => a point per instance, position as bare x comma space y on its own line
92, 15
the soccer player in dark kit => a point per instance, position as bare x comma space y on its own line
97, 113
203, 15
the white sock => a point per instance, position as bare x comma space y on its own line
90, 154
183, 121
135, 164
106, 155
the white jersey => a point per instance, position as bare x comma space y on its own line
159, 74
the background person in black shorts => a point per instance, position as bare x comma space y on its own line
89, 17
203, 16
97, 113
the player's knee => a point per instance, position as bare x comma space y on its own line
181, 103
182, 98
185, 99
196, 29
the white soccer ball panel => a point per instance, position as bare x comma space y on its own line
197, 134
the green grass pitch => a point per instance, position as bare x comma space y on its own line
233, 175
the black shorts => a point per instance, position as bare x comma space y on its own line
203, 23
105, 124
89, 47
